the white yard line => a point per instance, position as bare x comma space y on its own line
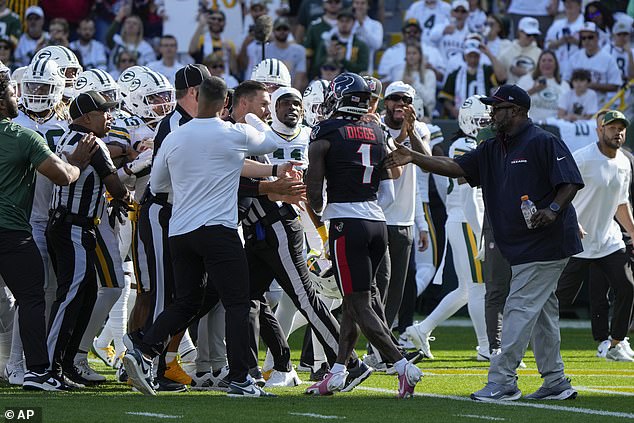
155, 415
474, 416
317, 416
606, 390
516, 404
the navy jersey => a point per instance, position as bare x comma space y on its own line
354, 162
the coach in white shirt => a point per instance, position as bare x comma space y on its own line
606, 173
202, 161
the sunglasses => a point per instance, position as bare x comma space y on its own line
216, 19
588, 37
396, 98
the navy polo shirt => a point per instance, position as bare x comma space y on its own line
532, 162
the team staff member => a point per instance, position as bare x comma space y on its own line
203, 235
22, 152
522, 160
71, 231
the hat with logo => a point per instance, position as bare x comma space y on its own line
375, 85
190, 76
34, 10
412, 22
471, 46
400, 87
509, 94
588, 27
614, 115
621, 27
87, 102
529, 26
281, 22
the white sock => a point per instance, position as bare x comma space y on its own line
106, 298
117, 324
400, 366
16, 358
476, 312
338, 368
186, 345
7, 316
268, 361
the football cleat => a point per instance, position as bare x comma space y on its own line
617, 353
602, 349
356, 376
139, 369
330, 384
482, 354
14, 375
105, 354
625, 343
408, 380
420, 339
84, 370
316, 376
256, 375
283, 379
372, 360
173, 371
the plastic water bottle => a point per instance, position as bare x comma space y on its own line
528, 210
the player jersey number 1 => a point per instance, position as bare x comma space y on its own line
366, 161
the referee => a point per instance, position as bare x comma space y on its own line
71, 232
203, 236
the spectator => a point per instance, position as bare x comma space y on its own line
471, 78
130, 38
543, 10
520, 58
10, 24
71, 10
580, 102
477, 16
562, 35
415, 73
458, 60
58, 32
33, 38
7, 47
367, 29
167, 65
309, 11
545, 87
598, 13
293, 55
342, 45
216, 65
208, 39
93, 53
124, 60
451, 36
330, 69
496, 32
257, 8
317, 28
621, 48
432, 14
395, 55
606, 76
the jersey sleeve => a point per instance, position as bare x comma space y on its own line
561, 165
101, 161
38, 150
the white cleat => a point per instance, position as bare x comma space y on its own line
14, 375
617, 353
283, 379
420, 340
84, 370
602, 350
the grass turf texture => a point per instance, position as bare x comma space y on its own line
442, 395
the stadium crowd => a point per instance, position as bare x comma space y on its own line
193, 199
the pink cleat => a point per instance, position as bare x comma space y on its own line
330, 384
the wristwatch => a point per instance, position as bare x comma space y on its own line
554, 207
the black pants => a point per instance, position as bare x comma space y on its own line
217, 251
278, 255
618, 273
408, 305
72, 249
22, 269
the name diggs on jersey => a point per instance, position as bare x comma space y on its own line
360, 133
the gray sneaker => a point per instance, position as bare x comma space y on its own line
562, 391
495, 392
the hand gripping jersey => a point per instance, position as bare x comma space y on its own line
354, 162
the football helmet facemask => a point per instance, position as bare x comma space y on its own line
42, 86
473, 115
67, 62
99, 81
314, 96
150, 96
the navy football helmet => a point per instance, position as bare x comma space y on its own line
349, 94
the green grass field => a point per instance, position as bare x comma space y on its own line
606, 393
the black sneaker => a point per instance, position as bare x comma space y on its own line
247, 389
139, 369
72, 373
163, 384
70, 380
257, 376
356, 376
414, 357
45, 381
320, 373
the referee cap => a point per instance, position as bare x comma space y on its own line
190, 76
615, 115
87, 102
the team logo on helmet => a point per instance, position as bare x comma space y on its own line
340, 85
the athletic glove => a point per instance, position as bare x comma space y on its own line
142, 162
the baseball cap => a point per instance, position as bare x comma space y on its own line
621, 27
588, 27
258, 2
412, 22
87, 102
509, 94
190, 76
529, 26
460, 3
281, 23
471, 46
614, 115
34, 10
375, 85
400, 87
347, 13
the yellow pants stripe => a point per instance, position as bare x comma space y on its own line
105, 266
433, 240
472, 247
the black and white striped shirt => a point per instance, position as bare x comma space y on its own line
84, 197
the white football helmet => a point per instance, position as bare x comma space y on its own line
314, 95
473, 115
127, 76
42, 85
322, 276
272, 72
150, 96
99, 81
67, 62
17, 77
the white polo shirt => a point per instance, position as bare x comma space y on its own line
202, 161
606, 187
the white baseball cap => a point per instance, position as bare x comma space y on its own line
460, 3
621, 27
529, 26
400, 87
588, 27
34, 10
471, 45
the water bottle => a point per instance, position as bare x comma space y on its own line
528, 210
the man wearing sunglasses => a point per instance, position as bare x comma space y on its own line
606, 76
522, 159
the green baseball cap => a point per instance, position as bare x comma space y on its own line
614, 115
